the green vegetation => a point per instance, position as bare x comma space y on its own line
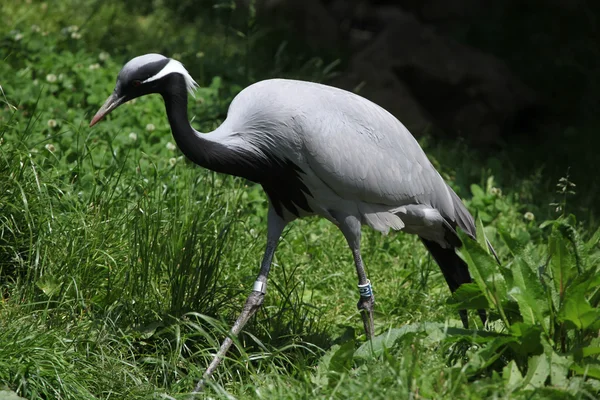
122, 265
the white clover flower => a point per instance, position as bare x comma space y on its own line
76, 35
36, 82
52, 123
200, 54
150, 127
133, 136
103, 56
171, 146
496, 191
94, 66
72, 28
18, 36
50, 147
51, 78
529, 216
172, 161
35, 28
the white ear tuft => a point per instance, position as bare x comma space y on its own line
174, 66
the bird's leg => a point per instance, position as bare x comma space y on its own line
367, 299
253, 303
350, 227
256, 297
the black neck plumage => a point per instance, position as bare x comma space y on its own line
280, 178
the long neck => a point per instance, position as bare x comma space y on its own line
196, 146
189, 141
279, 177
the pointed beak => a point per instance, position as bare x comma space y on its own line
110, 104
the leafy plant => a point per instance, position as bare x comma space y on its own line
546, 308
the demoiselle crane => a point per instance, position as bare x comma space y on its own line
316, 150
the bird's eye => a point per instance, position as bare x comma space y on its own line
136, 83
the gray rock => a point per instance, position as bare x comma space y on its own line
431, 82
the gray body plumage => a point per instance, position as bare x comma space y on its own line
354, 156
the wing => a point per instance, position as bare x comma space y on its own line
363, 152
356, 148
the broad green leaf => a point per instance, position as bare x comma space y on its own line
435, 332
454, 335
336, 361
586, 352
586, 370
594, 281
529, 293
547, 223
49, 285
501, 205
469, 297
559, 366
593, 241
489, 183
10, 395
511, 375
325, 360
562, 264
514, 243
477, 190
148, 330
591, 319
485, 271
538, 370
492, 351
341, 360
484, 216
528, 338
480, 234
566, 228
377, 345
577, 310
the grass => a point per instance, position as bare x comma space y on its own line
122, 265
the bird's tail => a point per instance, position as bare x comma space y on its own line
462, 216
465, 221
455, 272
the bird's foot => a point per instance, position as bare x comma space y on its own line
365, 306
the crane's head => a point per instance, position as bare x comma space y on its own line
143, 75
